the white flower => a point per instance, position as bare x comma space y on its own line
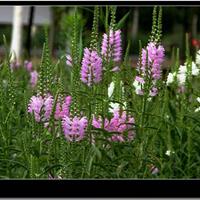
182, 73
198, 99
113, 107
138, 87
168, 152
197, 109
182, 69
111, 89
198, 58
195, 70
170, 78
181, 78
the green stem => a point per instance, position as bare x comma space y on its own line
90, 108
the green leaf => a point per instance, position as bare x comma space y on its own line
97, 151
122, 21
121, 167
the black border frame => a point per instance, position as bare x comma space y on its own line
100, 188
101, 2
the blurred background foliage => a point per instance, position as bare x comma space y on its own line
136, 25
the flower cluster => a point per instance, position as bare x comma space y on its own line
41, 107
118, 123
111, 45
62, 110
151, 60
74, 128
91, 70
182, 74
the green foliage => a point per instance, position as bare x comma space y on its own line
113, 18
75, 81
156, 32
46, 70
7, 65
94, 34
167, 122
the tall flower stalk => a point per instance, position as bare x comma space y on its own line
147, 81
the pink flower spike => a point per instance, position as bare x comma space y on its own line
41, 107
35, 106
63, 110
48, 105
34, 78
112, 48
91, 70
155, 59
74, 129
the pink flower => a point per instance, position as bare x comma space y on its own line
34, 78
153, 92
41, 107
91, 70
139, 79
74, 129
63, 110
28, 65
104, 46
117, 46
96, 122
117, 138
68, 60
48, 105
35, 106
118, 123
113, 46
155, 59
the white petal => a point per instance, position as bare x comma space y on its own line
111, 89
